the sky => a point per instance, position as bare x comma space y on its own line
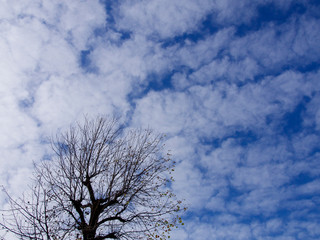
235, 86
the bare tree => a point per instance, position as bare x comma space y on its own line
103, 182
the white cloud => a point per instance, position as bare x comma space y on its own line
195, 55
37, 59
206, 231
305, 43
277, 46
231, 11
164, 18
225, 87
215, 111
226, 70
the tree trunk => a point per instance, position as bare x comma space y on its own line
89, 234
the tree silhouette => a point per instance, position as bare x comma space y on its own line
103, 182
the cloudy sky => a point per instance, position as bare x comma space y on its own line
235, 85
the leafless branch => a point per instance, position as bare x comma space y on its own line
103, 183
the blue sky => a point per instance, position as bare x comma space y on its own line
235, 86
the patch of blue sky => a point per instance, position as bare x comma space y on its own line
157, 82
270, 13
245, 138
239, 137
212, 143
206, 28
292, 122
109, 7
298, 65
234, 193
85, 59
86, 63
26, 103
125, 35
310, 67
111, 11
302, 178
46, 157
99, 32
